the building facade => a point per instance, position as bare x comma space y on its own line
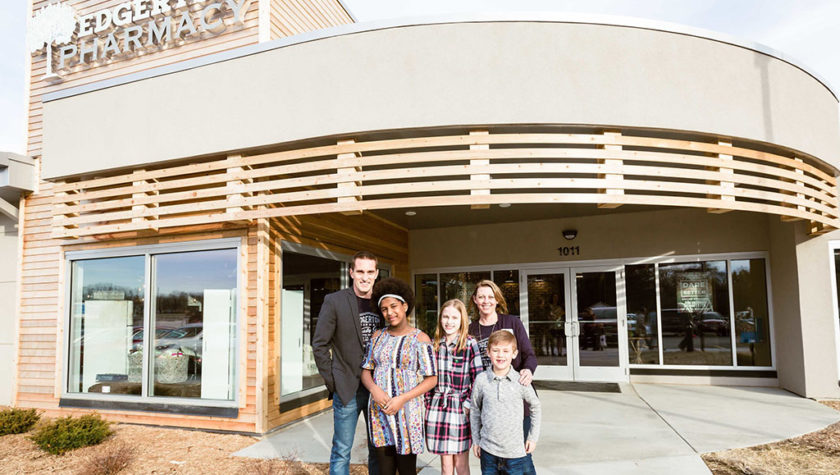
656, 203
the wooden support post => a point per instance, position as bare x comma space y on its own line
140, 212
263, 255
615, 186
348, 186
479, 163
727, 187
798, 171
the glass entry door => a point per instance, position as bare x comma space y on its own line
576, 323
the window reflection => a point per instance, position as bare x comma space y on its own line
642, 321
426, 304
695, 313
508, 282
752, 327
461, 285
306, 282
547, 318
106, 325
194, 323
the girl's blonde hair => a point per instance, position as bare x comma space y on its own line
463, 332
501, 303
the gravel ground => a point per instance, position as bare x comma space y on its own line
155, 450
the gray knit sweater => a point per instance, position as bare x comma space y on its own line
497, 412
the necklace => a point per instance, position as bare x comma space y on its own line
480, 336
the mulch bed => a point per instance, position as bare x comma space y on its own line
814, 453
156, 451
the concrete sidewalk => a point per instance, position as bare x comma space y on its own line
645, 429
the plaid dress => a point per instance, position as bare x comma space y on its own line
447, 426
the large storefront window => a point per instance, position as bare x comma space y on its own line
752, 321
106, 325
306, 282
695, 313
642, 321
192, 311
194, 324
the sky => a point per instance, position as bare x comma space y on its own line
807, 31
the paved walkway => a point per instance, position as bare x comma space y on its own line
645, 429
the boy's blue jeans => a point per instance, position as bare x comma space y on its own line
345, 418
492, 465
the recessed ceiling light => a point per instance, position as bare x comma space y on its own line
504, 205
411, 213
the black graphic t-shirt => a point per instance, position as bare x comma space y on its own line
370, 321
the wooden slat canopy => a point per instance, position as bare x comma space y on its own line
481, 168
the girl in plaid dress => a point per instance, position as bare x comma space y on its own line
448, 404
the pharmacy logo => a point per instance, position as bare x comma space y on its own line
53, 24
125, 30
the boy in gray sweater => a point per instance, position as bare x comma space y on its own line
497, 409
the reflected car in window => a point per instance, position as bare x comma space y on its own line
187, 338
713, 322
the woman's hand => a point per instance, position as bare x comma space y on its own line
477, 450
525, 377
380, 398
530, 446
378, 395
394, 404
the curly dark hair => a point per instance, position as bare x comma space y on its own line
394, 286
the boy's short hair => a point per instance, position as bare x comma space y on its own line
501, 337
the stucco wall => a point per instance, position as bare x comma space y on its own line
816, 307
517, 72
8, 290
646, 234
787, 325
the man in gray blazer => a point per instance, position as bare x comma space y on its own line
345, 324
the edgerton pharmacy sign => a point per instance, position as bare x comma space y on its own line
126, 30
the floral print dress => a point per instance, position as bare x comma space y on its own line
399, 363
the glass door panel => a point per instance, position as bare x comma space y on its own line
547, 318
598, 306
598, 318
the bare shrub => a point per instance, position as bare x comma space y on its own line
109, 460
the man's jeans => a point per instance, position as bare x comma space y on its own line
345, 418
492, 465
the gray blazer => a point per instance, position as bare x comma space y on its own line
339, 330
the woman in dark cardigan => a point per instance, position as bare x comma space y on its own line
487, 301
489, 304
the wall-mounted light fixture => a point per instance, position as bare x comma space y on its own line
569, 234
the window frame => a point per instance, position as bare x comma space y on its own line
148, 251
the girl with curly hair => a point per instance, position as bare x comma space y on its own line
398, 370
